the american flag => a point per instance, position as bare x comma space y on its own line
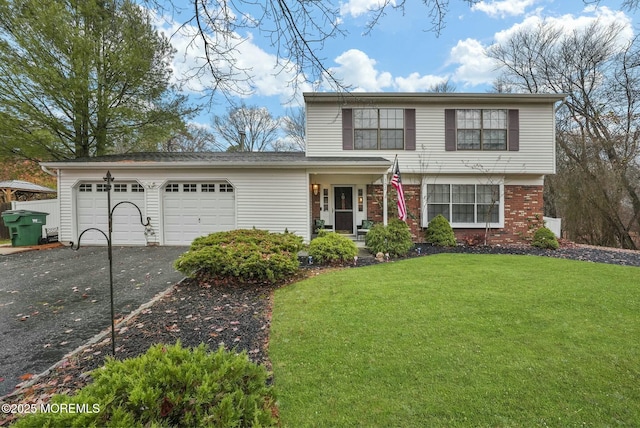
397, 183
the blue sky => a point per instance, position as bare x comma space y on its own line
401, 54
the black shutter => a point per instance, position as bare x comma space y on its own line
513, 137
410, 129
347, 129
450, 130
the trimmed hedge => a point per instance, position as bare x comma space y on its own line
249, 255
394, 239
440, 233
169, 386
332, 248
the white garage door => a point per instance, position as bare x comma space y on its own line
91, 201
196, 209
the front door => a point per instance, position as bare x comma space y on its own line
343, 204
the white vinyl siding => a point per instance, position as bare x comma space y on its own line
536, 154
271, 199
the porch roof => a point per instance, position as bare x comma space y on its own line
280, 160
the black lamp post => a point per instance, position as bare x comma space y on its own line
109, 179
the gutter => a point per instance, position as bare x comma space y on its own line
219, 165
48, 171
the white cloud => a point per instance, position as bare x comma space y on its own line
475, 67
503, 8
417, 83
568, 23
357, 70
265, 76
356, 8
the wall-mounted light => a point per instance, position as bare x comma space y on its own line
316, 188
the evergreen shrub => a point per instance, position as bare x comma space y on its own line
394, 239
169, 386
545, 238
249, 255
332, 248
440, 233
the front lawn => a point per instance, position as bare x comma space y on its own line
460, 340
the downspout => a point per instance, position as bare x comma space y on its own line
53, 174
58, 178
48, 171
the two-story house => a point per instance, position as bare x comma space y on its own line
477, 159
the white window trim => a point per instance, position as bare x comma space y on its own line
499, 181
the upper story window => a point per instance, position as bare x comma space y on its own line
378, 129
482, 129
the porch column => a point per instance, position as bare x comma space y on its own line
384, 199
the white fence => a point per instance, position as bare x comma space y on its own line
49, 206
555, 224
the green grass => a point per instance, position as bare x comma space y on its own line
460, 340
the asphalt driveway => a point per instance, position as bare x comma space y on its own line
52, 301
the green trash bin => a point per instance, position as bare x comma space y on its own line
25, 227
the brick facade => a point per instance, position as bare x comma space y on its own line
523, 211
412, 199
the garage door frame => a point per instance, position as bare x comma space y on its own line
197, 215
91, 212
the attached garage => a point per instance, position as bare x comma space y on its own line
193, 209
187, 195
91, 202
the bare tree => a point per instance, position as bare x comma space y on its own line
193, 139
293, 126
297, 29
247, 129
598, 127
443, 87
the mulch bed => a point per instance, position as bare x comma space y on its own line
234, 316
